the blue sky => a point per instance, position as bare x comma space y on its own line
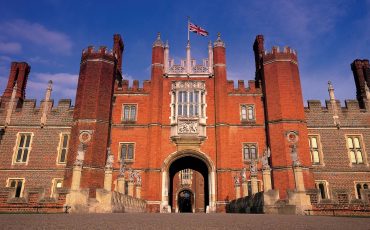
50, 35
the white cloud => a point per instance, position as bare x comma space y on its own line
64, 85
10, 47
55, 41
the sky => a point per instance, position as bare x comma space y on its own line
51, 34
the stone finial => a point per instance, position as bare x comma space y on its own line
166, 45
80, 155
158, 41
294, 155
265, 157
331, 91
219, 42
367, 92
11, 105
243, 175
122, 169
236, 180
110, 159
253, 168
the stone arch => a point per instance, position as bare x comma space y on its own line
210, 176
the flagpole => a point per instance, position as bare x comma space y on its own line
188, 29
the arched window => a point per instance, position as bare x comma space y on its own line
358, 189
249, 151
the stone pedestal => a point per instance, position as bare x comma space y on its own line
254, 184
131, 188
138, 191
76, 177
108, 179
298, 177
237, 191
121, 185
266, 174
245, 188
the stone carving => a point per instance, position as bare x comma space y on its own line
236, 180
177, 69
80, 155
200, 69
131, 175
122, 170
265, 158
200, 85
138, 179
188, 127
253, 168
294, 155
110, 159
85, 136
243, 174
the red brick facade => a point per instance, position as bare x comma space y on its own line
206, 130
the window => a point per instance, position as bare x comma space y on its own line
186, 176
57, 183
322, 186
355, 149
18, 184
315, 149
247, 113
129, 113
23, 147
361, 186
63, 148
188, 100
127, 152
249, 151
188, 103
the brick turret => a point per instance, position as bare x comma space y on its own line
156, 78
361, 73
284, 114
258, 48
92, 115
219, 70
18, 75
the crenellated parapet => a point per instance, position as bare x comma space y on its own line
277, 54
241, 89
31, 114
101, 54
134, 88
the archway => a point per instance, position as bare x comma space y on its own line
188, 159
185, 201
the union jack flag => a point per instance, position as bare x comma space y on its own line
197, 29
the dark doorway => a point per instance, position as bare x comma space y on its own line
189, 162
185, 201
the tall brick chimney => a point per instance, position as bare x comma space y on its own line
361, 73
219, 70
284, 115
92, 115
18, 74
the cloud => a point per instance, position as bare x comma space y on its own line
38, 34
10, 47
64, 85
128, 77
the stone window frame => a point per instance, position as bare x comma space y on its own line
326, 187
53, 186
16, 147
247, 107
120, 152
130, 119
363, 149
192, 86
319, 149
8, 181
60, 148
362, 187
249, 144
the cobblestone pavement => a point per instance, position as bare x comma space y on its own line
178, 221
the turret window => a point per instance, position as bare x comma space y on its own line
250, 151
247, 113
23, 147
315, 149
129, 113
127, 152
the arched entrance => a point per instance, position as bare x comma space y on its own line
185, 201
188, 159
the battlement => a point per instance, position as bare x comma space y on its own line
91, 53
30, 114
134, 88
241, 89
349, 106
358, 63
285, 54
